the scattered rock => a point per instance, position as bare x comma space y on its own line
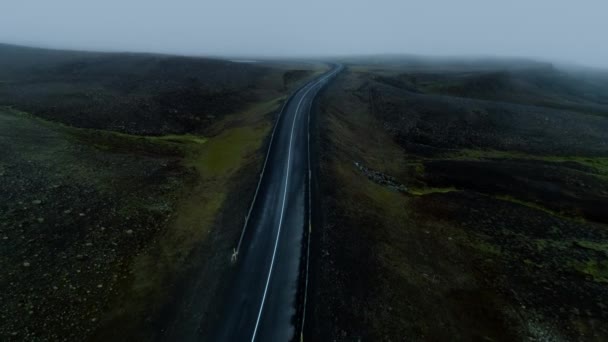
381, 178
129, 231
40, 220
37, 201
26, 264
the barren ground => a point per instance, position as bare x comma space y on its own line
458, 204
122, 176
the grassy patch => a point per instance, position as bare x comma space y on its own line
430, 190
225, 152
487, 248
544, 244
215, 160
596, 269
596, 246
538, 207
171, 144
598, 164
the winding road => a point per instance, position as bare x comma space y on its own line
261, 302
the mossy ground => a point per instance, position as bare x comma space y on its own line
77, 215
596, 165
170, 209
485, 243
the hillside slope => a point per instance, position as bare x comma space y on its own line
104, 231
456, 204
134, 93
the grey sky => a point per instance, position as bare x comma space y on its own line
563, 30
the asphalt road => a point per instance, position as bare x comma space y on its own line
260, 304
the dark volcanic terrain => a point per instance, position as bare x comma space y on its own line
136, 93
124, 177
462, 200
453, 199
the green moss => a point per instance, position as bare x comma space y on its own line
598, 164
415, 169
596, 269
225, 152
542, 244
428, 190
524, 203
119, 142
172, 144
180, 139
596, 246
384, 202
486, 247
389, 199
538, 207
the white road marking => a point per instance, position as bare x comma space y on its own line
274, 252
238, 246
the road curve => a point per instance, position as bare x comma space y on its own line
260, 303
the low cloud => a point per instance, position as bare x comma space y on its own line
556, 30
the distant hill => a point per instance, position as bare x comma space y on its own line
438, 63
129, 92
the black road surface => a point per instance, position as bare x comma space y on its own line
260, 304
